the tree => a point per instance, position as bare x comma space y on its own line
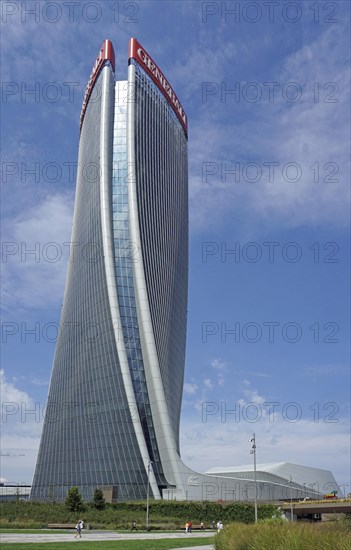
74, 501
51, 493
98, 501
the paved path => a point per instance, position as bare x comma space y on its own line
98, 536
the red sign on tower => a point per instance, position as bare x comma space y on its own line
136, 51
105, 54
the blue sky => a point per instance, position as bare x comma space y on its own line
266, 91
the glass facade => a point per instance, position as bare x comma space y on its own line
100, 428
88, 436
125, 254
161, 168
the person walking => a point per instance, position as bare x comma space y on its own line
219, 526
186, 527
134, 526
79, 528
190, 526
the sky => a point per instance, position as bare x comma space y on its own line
266, 90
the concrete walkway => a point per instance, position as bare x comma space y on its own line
91, 536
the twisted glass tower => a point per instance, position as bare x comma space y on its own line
117, 379
112, 418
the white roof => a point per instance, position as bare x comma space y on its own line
298, 474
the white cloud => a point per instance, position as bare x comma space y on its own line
252, 395
208, 383
218, 364
198, 405
221, 367
59, 39
326, 371
190, 389
9, 392
43, 228
307, 134
220, 379
204, 62
21, 424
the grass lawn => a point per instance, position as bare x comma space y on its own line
166, 544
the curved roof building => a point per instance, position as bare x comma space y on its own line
304, 480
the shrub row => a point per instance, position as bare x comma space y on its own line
169, 514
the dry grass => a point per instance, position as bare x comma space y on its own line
334, 535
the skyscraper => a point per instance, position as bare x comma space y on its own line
112, 418
117, 379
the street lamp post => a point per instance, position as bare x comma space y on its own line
344, 492
253, 452
291, 503
315, 492
147, 494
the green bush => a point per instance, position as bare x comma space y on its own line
74, 501
98, 501
162, 514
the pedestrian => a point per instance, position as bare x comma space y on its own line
134, 526
202, 525
190, 526
219, 526
186, 527
79, 528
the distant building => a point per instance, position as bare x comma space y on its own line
14, 492
304, 481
